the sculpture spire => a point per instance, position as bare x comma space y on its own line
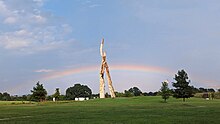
105, 67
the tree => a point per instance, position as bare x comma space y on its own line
49, 97
119, 94
135, 91
24, 97
202, 90
183, 90
56, 95
218, 90
150, 94
6, 96
38, 92
107, 95
62, 97
29, 97
165, 91
195, 90
128, 94
212, 95
211, 90
145, 94
1, 96
78, 90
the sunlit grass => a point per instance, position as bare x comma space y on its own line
120, 110
15, 102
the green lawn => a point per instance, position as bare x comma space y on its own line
135, 110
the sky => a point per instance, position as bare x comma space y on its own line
57, 43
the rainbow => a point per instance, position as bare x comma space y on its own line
94, 69
122, 67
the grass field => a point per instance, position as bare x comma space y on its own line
135, 110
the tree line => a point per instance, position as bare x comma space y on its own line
182, 89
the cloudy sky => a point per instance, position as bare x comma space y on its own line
57, 43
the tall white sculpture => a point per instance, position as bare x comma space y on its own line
104, 67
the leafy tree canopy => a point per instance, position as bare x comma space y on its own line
165, 91
211, 90
183, 90
5, 96
78, 90
57, 93
136, 91
38, 92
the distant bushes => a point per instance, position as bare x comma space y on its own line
217, 95
198, 95
5, 96
131, 94
208, 95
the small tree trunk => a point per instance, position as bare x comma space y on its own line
184, 100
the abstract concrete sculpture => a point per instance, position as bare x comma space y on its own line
104, 67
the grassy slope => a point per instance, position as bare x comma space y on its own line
121, 111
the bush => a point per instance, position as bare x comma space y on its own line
217, 95
198, 95
201, 95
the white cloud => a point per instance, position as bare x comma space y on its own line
90, 4
16, 43
3, 8
10, 20
43, 70
11, 41
95, 5
33, 40
66, 28
39, 2
22, 32
29, 29
38, 19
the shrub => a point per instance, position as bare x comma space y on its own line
217, 95
198, 95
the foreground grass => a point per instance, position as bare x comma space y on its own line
135, 110
15, 102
